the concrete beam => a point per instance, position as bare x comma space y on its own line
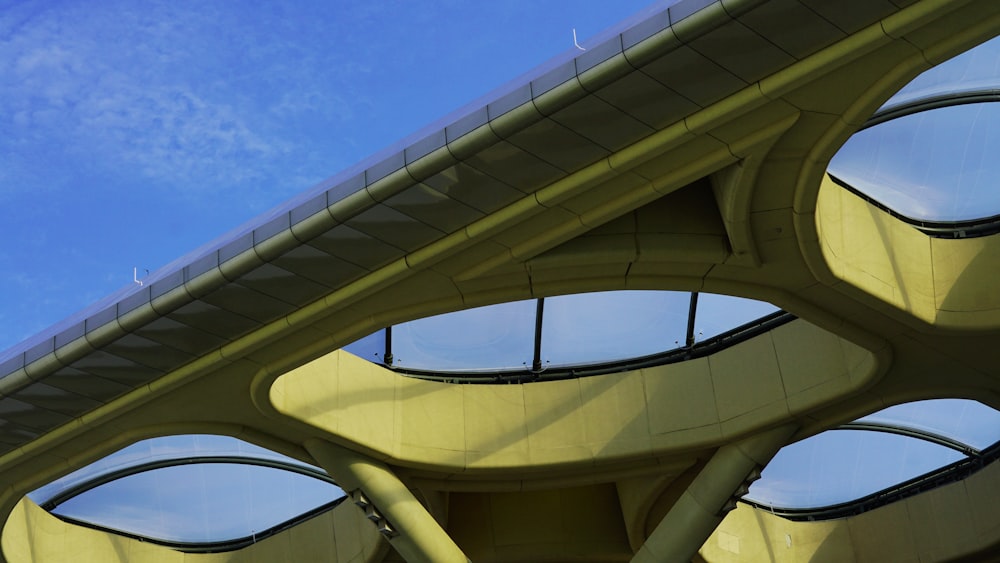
700, 508
411, 530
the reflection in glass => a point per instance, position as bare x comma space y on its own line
485, 338
200, 503
840, 466
937, 165
587, 328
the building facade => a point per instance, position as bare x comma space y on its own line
688, 152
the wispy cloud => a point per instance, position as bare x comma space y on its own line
181, 96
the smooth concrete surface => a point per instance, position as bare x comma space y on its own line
341, 535
954, 522
575, 423
942, 282
701, 507
389, 504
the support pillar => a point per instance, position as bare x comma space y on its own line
412, 531
695, 515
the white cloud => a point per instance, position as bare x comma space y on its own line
148, 93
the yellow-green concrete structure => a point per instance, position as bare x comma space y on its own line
688, 152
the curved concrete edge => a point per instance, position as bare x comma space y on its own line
388, 503
575, 424
953, 522
702, 506
915, 287
340, 535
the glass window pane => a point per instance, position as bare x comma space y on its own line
160, 449
371, 347
937, 165
976, 69
589, 328
719, 313
205, 502
969, 422
486, 338
844, 465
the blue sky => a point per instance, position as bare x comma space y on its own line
133, 133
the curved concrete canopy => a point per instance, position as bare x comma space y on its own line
703, 171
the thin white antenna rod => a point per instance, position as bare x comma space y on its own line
135, 276
575, 43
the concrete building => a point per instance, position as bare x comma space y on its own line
687, 152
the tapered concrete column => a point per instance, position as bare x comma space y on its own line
417, 535
682, 532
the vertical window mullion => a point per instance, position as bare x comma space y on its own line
692, 310
536, 362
